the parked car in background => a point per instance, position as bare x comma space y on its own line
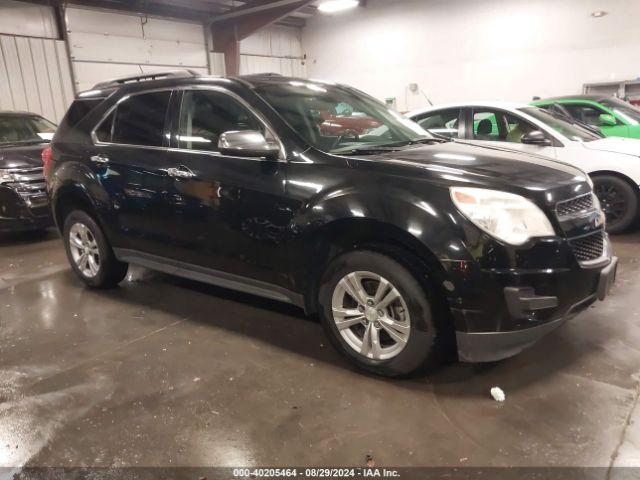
612, 163
23, 200
340, 119
612, 116
405, 244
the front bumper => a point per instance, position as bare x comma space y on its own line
18, 214
541, 303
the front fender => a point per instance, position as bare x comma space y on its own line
345, 219
624, 164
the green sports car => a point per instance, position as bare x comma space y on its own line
612, 116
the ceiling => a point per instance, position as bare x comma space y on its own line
197, 9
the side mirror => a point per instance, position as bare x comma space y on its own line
607, 120
248, 143
536, 137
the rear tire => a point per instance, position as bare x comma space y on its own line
377, 314
89, 253
619, 201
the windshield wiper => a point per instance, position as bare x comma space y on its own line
437, 138
391, 146
367, 150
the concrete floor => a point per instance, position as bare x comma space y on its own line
164, 371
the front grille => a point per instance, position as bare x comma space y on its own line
589, 247
29, 184
575, 206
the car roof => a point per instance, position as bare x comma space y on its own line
179, 78
592, 98
488, 104
271, 78
19, 113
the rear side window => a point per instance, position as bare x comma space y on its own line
139, 120
79, 109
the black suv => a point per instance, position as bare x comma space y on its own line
23, 199
402, 242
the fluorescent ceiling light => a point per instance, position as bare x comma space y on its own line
599, 13
332, 6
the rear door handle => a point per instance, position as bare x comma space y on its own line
180, 172
100, 158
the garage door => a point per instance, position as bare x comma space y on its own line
105, 45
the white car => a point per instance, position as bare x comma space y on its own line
612, 163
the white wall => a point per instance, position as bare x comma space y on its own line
459, 50
106, 45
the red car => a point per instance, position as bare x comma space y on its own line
336, 125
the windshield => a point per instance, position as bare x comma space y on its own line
19, 129
623, 109
338, 119
561, 124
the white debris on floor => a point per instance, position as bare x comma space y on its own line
497, 394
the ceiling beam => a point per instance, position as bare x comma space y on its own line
192, 10
157, 9
229, 29
256, 7
293, 22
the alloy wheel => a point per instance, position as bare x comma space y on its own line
612, 201
84, 250
371, 315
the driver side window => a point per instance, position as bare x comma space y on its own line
205, 115
498, 126
585, 113
485, 126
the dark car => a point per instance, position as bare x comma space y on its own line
24, 204
403, 243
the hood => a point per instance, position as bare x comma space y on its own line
493, 167
22, 156
628, 146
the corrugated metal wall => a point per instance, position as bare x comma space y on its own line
34, 66
35, 76
105, 45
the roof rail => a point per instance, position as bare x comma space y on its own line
116, 82
262, 75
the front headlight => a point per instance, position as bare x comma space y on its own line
6, 176
506, 216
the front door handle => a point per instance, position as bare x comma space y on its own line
100, 158
180, 172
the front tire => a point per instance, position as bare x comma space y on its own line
89, 253
377, 314
619, 202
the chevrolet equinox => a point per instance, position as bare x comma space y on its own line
404, 243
